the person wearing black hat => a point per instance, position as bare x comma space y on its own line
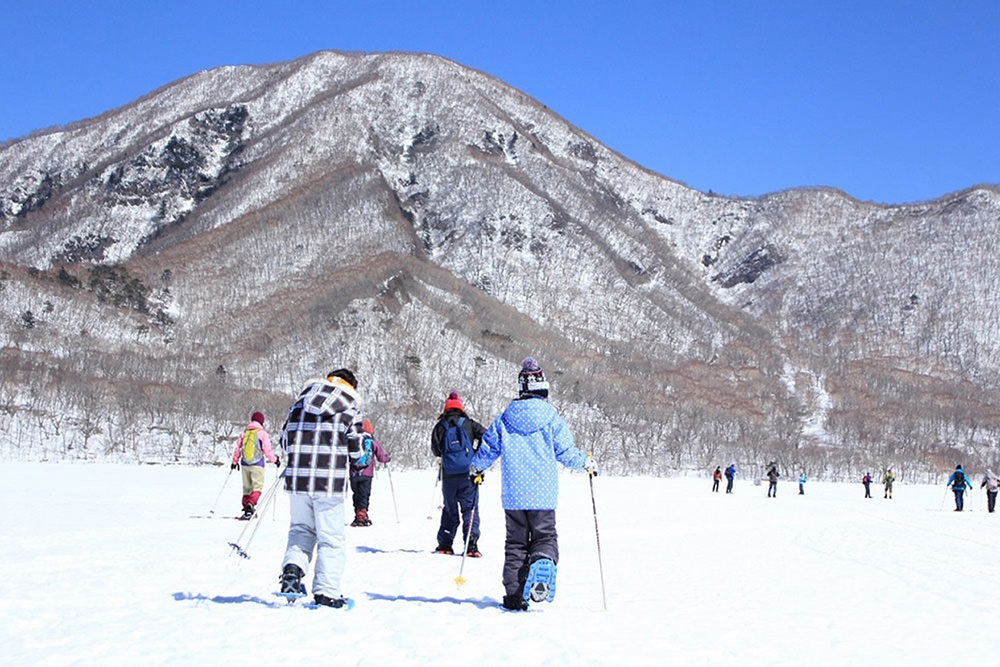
958, 483
322, 436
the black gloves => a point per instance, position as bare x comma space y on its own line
477, 477
277, 461
235, 466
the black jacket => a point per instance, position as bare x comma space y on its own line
472, 428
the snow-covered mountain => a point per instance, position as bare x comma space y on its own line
178, 262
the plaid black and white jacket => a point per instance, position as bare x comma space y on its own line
321, 436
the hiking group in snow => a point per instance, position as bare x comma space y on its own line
958, 482
329, 446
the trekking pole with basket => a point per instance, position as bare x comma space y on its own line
597, 533
392, 490
460, 580
219, 497
269, 496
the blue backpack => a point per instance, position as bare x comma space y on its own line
456, 456
366, 453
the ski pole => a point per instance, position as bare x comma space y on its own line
434, 493
268, 497
392, 490
274, 512
459, 580
597, 533
219, 497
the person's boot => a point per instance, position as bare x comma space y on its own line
358, 520
515, 603
324, 601
365, 521
473, 550
248, 511
291, 579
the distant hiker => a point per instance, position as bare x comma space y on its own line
867, 481
802, 483
455, 439
362, 472
730, 475
716, 478
253, 447
529, 438
322, 433
772, 480
958, 483
992, 484
888, 480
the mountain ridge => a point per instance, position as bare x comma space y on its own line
431, 224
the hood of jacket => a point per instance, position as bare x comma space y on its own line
525, 416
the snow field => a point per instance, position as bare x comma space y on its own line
108, 564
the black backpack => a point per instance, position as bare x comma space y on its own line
456, 456
959, 480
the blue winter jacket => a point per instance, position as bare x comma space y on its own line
967, 483
528, 438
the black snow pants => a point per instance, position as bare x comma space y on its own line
361, 487
531, 534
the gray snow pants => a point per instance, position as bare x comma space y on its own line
531, 534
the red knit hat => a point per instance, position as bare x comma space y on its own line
366, 426
453, 402
257, 417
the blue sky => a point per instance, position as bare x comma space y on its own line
888, 100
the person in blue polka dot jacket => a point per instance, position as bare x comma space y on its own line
529, 438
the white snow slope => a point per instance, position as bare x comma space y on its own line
109, 564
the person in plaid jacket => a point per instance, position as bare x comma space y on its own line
322, 435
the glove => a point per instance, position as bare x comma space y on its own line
590, 466
477, 477
235, 466
388, 458
277, 461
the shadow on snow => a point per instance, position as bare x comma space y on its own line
373, 550
228, 599
481, 603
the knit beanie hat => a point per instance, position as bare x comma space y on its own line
453, 402
531, 379
366, 426
257, 417
344, 374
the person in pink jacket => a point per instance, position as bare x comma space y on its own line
253, 447
361, 476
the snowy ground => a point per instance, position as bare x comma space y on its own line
108, 564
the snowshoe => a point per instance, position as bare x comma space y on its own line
321, 600
441, 549
540, 585
248, 512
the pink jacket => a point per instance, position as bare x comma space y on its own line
369, 470
265, 445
